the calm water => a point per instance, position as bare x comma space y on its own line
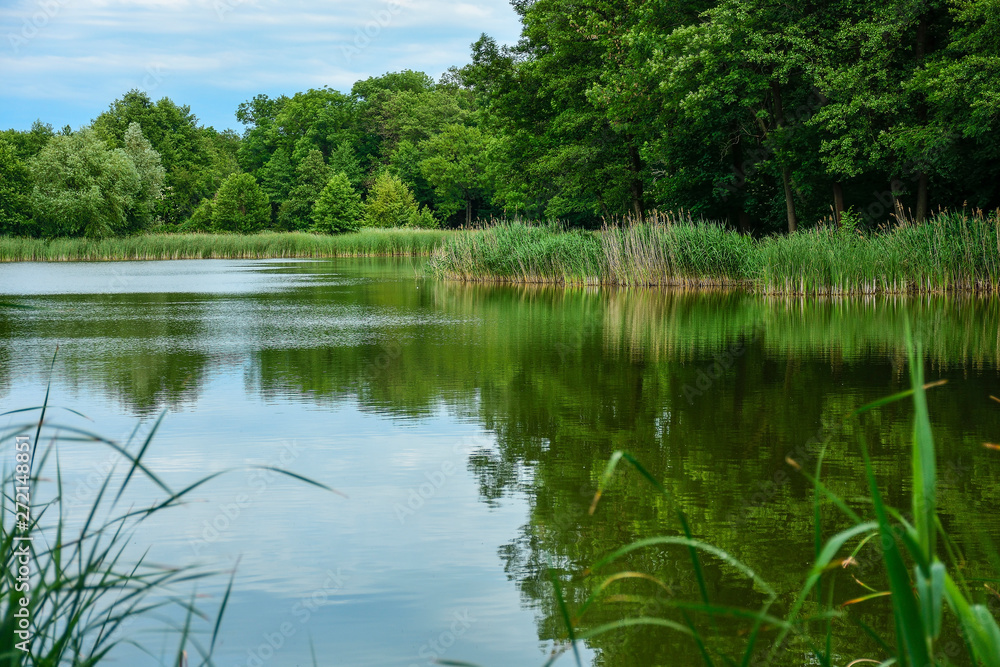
468, 427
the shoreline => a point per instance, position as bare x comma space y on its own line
393, 242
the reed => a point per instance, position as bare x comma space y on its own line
920, 573
85, 591
952, 252
366, 242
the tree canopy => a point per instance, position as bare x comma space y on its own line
762, 115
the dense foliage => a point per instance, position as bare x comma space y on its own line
763, 115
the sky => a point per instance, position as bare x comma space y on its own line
66, 61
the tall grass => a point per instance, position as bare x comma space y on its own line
367, 242
85, 592
921, 570
951, 252
521, 253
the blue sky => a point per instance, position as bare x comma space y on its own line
65, 61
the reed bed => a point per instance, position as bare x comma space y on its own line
364, 243
952, 252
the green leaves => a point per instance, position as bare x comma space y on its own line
390, 203
338, 208
241, 206
83, 188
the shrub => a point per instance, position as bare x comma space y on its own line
241, 206
81, 188
422, 219
201, 219
338, 208
390, 203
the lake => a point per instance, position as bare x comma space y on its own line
467, 428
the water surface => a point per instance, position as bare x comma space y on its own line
468, 426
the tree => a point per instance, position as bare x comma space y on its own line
151, 173
81, 188
456, 167
312, 176
338, 208
390, 203
27, 145
15, 217
344, 159
553, 129
201, 219
196, 159
241, 206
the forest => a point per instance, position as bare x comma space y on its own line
763, 116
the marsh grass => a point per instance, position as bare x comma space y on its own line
921, 570
952, 252
363, 243
88, 596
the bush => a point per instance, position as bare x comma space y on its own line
201, 219
422, 219
81, 188
390, 203
241, 206
338, 208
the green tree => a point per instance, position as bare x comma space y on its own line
344, 159
151, 173
378, 113
241, 206
196, 159
82, 188
15, 217
201, 219
566, 157
422, 219
27, 145
456, 167
312, 176
390, 203
277, 176
338, 207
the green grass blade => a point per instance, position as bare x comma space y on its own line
564, 612
910, 625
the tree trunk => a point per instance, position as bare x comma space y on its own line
786, 175
635, 166
468, 213
786, 178
838, 202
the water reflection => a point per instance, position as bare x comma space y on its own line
711, 391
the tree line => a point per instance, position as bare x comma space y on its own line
764, 115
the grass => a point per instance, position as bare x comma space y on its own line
921, 571
367, 242
85, 593
952, 252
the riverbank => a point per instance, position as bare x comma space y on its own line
367, 242
952, 252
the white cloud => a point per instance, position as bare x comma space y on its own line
88, 52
